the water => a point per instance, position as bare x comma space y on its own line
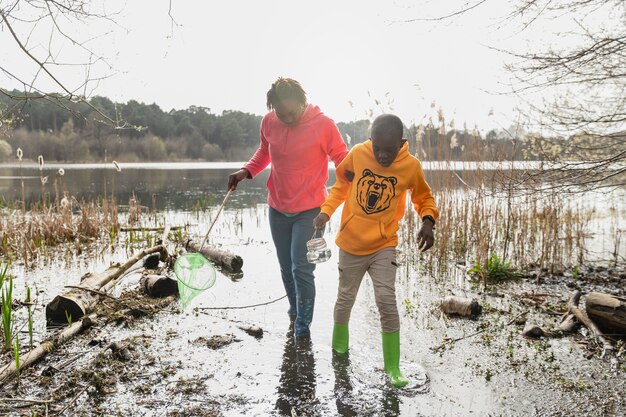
318, 251
272, 375
163, 186
318, 256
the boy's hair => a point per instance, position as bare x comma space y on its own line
389, 124
285, 89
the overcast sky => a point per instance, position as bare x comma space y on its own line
347, 54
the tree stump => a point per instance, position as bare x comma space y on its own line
158, 285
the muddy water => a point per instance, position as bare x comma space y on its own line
174, 371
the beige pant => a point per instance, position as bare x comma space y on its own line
381, 267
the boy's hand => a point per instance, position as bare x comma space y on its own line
425, 236
320, 221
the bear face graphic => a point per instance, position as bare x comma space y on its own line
374, 192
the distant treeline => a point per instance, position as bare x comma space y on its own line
65, 131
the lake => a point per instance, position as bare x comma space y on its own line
174, 373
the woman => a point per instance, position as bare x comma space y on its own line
297, 138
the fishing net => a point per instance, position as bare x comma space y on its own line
194, 274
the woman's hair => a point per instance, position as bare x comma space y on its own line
285, 89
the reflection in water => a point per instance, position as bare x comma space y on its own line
160, 186
353, 402
186, 188
297, 383
343, 385
391, 402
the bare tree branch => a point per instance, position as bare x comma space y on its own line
448, 16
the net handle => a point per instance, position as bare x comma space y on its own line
219, 210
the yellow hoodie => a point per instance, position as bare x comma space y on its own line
376, 198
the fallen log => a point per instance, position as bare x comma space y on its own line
461, 306
80, 301
221, 258
10, 371
158, 285
608, 312
572, 305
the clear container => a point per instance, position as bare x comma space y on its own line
317, 252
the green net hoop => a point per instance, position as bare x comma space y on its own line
194, 274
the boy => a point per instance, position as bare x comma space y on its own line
374, 203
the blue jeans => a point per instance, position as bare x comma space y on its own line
290, 234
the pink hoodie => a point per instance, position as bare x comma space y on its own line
299, 157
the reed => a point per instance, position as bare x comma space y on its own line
20, 154
492, 222
7, 307
43, 227
16, 356
28, 302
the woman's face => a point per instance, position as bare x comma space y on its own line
289, 111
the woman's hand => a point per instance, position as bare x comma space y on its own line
320, 221
236, 177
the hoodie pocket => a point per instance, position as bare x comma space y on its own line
362, 233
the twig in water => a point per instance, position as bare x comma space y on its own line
240, 307
476, 333
25, 400
73, 400
78, 287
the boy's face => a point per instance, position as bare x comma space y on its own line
386, 147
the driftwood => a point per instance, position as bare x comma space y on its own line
608, 312
569, 324
221, 258
532, 331
254, 331
572, 305
461, 306
158, 285
9, 371
80, 302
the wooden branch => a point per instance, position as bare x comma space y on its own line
9, 371
25, 400
80, 302
569, 324
572, 305
221, 258
104, 294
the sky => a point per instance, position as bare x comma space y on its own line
354, 58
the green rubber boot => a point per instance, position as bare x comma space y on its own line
341, 337
391, 356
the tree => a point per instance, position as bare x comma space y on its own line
64, 26
573, 83
584, 69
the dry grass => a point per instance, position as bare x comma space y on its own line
493, 212
26, 235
